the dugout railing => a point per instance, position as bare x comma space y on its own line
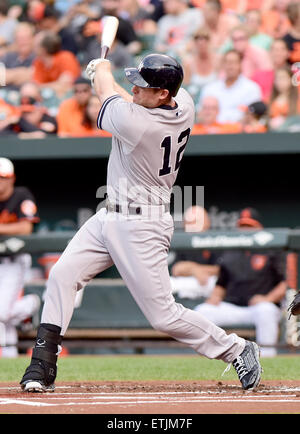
108, 317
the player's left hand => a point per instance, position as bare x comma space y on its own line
91, 68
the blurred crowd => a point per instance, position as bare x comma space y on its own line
241, 60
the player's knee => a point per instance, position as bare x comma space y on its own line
266, 308
57, 273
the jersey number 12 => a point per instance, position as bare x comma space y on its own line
166, 144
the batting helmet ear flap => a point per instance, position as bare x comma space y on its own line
157, 71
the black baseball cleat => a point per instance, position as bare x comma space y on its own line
248, 367
41, 373
39, 377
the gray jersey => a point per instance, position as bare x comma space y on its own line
147, 148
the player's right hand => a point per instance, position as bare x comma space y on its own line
91, 68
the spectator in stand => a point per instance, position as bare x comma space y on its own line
54, 68
33, 11
139, 16
284, 101
76, 14
89, 125
253, 22
51, 21
71, 112
207, 123
7, 27
218, 22
292, 37
34, 122
200, 65
30, 120
249, 290
253, 58
233, 90
18, 214
254, 120
279, 55
194, 272
176, 27
125, 33
275, 21
18, 62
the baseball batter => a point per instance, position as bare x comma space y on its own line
150, 130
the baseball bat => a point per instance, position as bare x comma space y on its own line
109, 30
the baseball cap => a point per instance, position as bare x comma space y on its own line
258, 108
6, 168
249, 217
82, 80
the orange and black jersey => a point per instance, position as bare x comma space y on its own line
19, 206
244, 274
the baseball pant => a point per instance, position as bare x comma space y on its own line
264, 316
138, 246
13, 308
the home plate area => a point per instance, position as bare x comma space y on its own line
153, 398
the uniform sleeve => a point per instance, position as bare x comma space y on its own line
124, 120
27, 209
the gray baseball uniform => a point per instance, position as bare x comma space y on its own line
147, 149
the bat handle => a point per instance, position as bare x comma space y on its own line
104, 51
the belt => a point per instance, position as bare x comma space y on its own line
135, 209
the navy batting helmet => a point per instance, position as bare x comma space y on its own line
157, 71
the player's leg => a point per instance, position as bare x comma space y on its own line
12, 273
139, 249
10, 350
84, 257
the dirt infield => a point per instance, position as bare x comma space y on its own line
154, 397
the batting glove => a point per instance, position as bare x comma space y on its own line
91, 68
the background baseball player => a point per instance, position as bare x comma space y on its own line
150, 131
18, 213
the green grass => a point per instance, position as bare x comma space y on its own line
139, 368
